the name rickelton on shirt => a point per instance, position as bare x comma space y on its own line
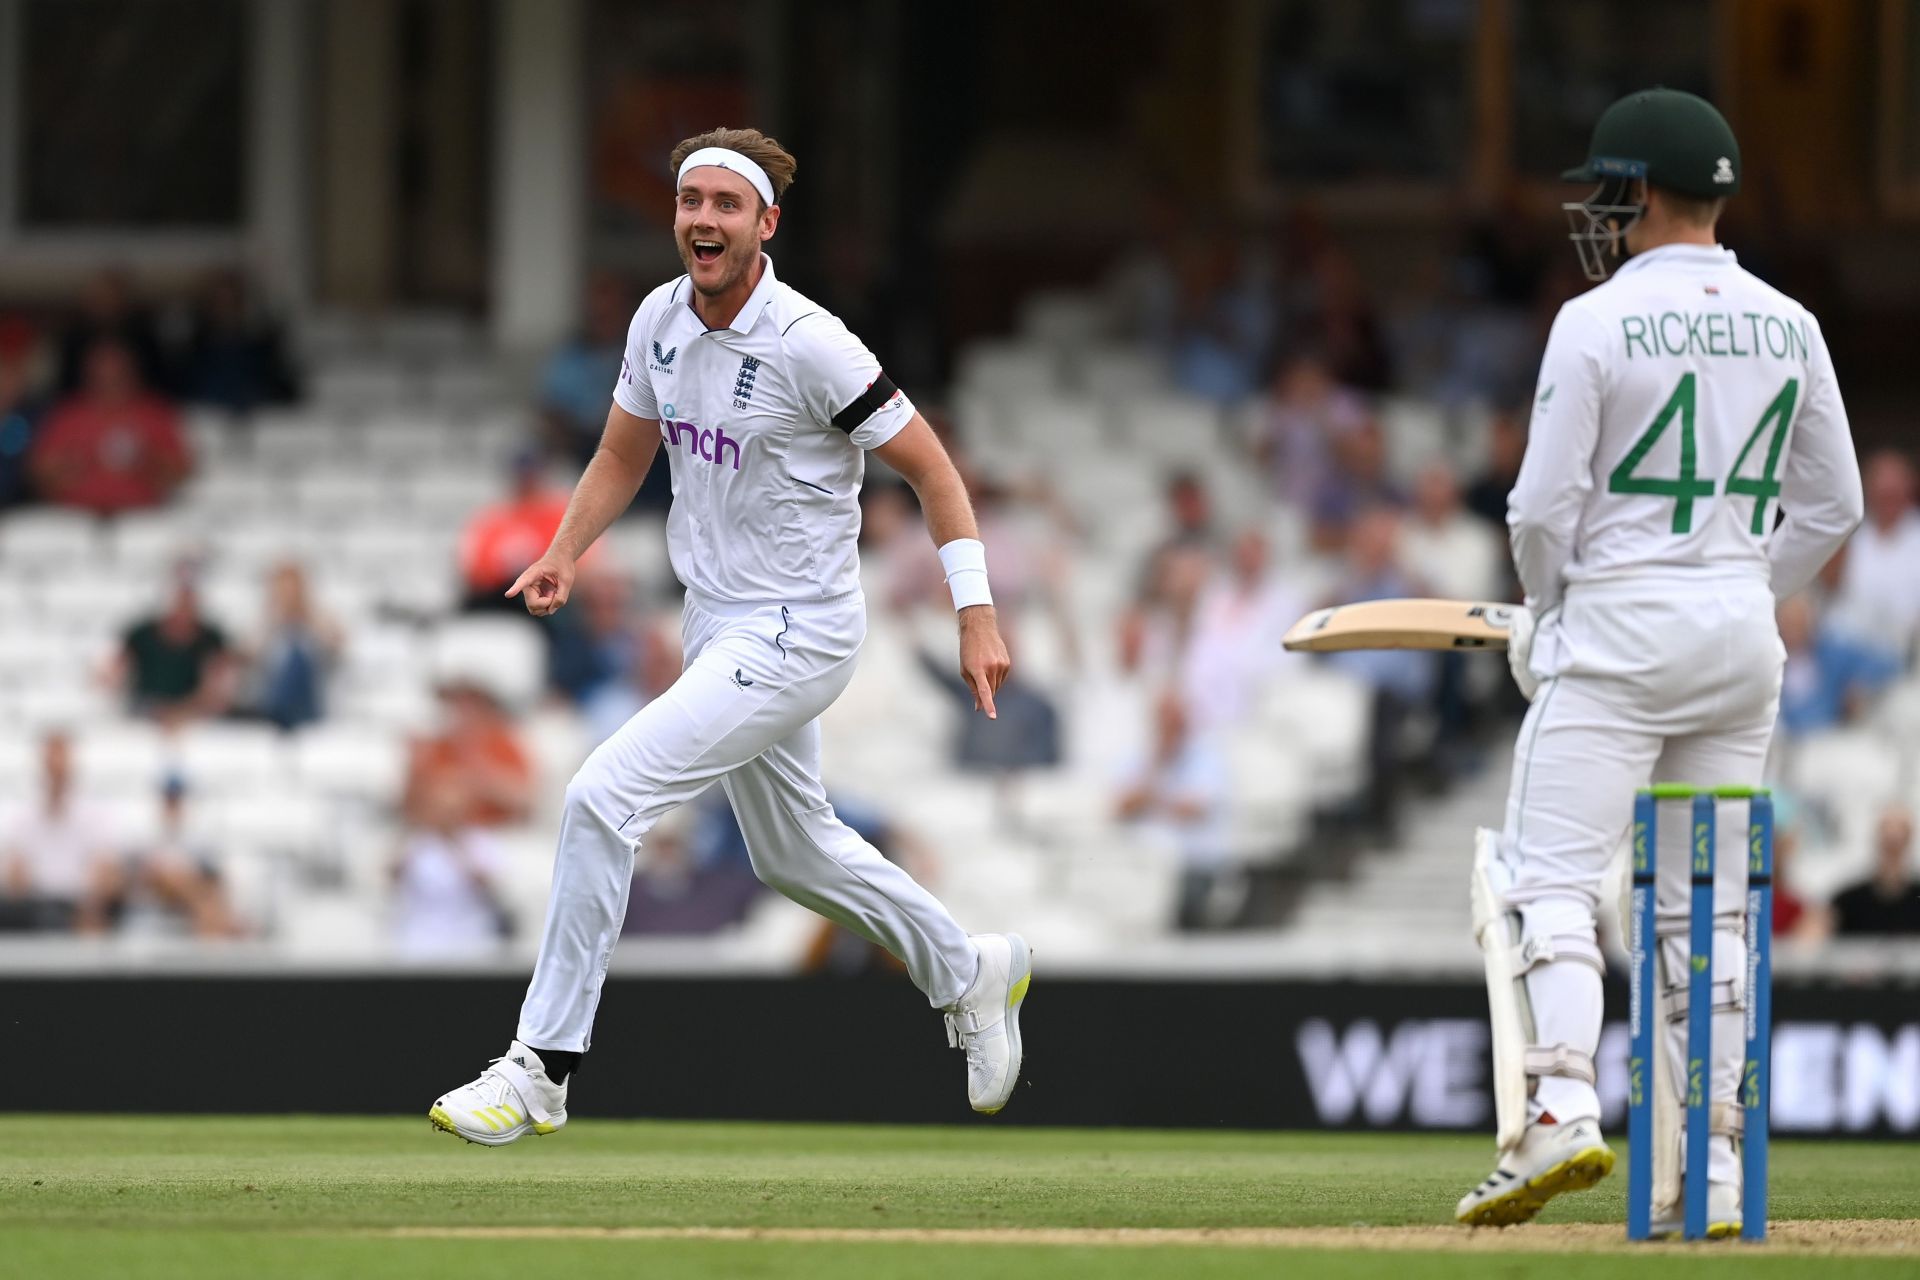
765, 425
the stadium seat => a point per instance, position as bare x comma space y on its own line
47, 538
122, 756
228, 757
350, 760
504, 655
1007, 369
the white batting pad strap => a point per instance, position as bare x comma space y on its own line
1727, 998
1542, 949
516, 1075
1728, 1119
1559, 1060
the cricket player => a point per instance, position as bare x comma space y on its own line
1688, 465
765, 405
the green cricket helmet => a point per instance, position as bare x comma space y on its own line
1663, 137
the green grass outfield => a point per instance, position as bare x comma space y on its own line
198, 1198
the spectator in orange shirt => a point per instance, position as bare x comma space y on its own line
477, 747
112, 446
503, 539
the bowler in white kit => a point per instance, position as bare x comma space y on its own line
766, 407
1689, 465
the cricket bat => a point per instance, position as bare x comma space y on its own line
1402, 624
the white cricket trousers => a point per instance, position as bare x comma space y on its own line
1674, 680
744, 713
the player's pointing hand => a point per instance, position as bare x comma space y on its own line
545, 585
983, 656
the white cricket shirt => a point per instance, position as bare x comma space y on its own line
1681, 407
765, 425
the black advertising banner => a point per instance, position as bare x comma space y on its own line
1293, 1055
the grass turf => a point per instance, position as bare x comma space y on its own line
302, 1196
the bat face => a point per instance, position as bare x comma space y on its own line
1402, 624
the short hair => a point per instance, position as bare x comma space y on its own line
751, 143
1693, 211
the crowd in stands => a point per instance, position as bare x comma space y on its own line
1305, 378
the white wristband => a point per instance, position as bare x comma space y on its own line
965, 560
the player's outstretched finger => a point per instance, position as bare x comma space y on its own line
520, 584
983, 687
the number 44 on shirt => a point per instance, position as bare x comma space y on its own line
1687, 486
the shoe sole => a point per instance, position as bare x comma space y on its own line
1580, 1172
437, 1116
1715, 1231
1022, 976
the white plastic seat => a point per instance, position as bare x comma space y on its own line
351, 760
1008, 369
359, 388
222, 758
503, 655
1328, 716
121, 756
47, 537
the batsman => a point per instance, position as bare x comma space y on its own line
1688, 465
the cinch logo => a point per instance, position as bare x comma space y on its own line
709, 444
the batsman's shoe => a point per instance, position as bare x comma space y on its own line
1550, 1159
1723, 1214
512, 1098
985, 1022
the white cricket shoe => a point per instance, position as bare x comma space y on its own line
985, 1022
512, 1097
1724, 1214
1550, 1159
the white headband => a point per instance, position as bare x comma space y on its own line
721, 158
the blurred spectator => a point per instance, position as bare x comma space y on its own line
598, 636
1184, 787
692, 874
234, 356
1878, 603
1402, 680
1889, 901
898, 561
1357, 481
478, 747
1307, 410
177, 875
289, 662
1794, 917
1506, 445
1222, 328
1449, 553
20, 414
1342, 323
1025, 735
1153, 627
108, 313
1231, 651
649, 670
1828, 676
446, 878
112, 445
176, 665
576, 383
56, 854
501, 540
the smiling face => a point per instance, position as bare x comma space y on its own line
719, 223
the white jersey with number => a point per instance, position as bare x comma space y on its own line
765, 425
1683, 407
